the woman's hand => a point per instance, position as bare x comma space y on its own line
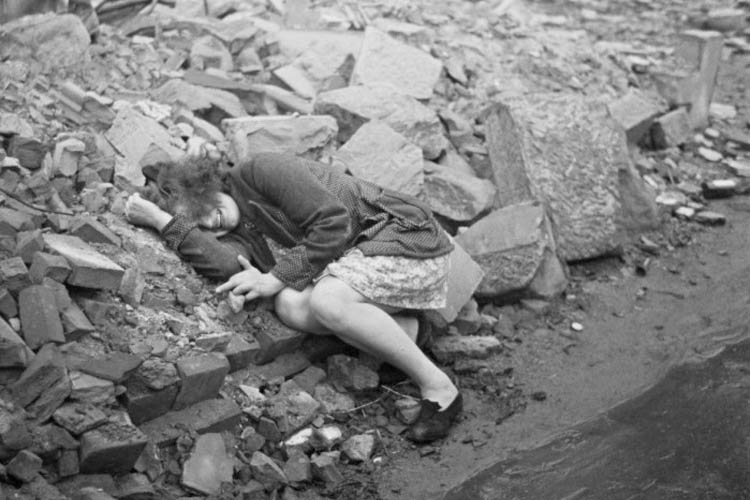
142, 212
251, 282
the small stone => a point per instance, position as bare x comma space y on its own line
266, 470
326, 437
576, 327
47, 265
14, 275
709, 154
297, 468
450, 348
359, 447
347, 373
408, 410
685, 212
710, 218
324, 468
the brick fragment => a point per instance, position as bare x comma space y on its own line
28, 243
151, 391
67, 464
116, 366
45, 369
212, 415
671, 129
40, 319
14, 275
24, 467
136, 486
275, 338
78, 418
90, 269
50, 400
240, 352
266, 470
347, 373
14, 353
14, 221
634, 112
324, 468
75, 323
450, 348
91, 230
201, 378
45, 265
113, 447
8, 306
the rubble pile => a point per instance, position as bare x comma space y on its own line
124, 376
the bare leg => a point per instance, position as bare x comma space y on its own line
345, 312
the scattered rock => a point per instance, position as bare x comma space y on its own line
208, 466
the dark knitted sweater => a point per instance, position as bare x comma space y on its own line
316, 212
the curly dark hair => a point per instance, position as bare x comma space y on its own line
188, 187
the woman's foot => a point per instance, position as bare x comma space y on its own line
433, 422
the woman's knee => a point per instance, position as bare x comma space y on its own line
292, 307
329, 306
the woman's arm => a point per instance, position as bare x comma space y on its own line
210, 256
287, 182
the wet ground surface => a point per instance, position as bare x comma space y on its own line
688, 437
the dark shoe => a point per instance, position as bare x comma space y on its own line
432, 424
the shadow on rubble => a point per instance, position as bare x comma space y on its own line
685, 438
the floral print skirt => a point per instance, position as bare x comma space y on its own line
401, 282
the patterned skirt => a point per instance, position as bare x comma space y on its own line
401, 282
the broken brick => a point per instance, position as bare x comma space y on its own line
671, 129
8, 306
634, 112
75, 323
78, 418
67, 464
347, 373
14, 221
91, 230
14, 275
116, 366
14, 353
40, 319
45, 369
324, 468
240, 352
151, 391
266, 470
42, 408
449, 348
113, 447
47, 265
202, 377
275, 339
24, 467
28, 243
29, 151
132, 286
211, 415
90, 269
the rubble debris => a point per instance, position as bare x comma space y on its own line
90, 269
113, 447
635, 112
455, 195
450, 348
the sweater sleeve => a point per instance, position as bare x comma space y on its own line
216, 257
288, 184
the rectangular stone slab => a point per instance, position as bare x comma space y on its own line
90, 269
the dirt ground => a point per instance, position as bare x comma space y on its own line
691, 303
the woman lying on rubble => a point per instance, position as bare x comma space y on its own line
358, 254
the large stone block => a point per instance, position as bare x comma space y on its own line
455, 195
90, 269
567, 152
386, 61
201, 378
354, 106
511, 246
40, 319
46, 369
307, 136
378, 154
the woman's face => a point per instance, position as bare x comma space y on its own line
223, 217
